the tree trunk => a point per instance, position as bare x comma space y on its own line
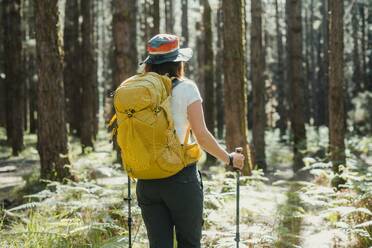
33, 98
208, 72
208, 68
124, 33
294, 39
185, 23
30, 54
364, 53
89, 83
312, 102
200, 37
52, 133
235, 83
357, 72
169, 16
2, 72
219, 74
72, 67
369, 36
14, 80
155, 13
323, 68
336, 98
96, 57
258, 84
282, 102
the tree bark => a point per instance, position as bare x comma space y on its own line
208, 72
30, 56
294, 39
357, 69
364, 53
258, 84
282, 98
89, 82
185, 23
336, 94
208, 68
169, 16
155, 13
200, 37
72, 67
219, 74
124, 33
369, 36
235, 83
14, 77
323, 68
52, 133
2, 72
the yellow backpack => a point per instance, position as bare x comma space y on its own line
150, 148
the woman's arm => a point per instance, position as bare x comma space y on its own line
206, 139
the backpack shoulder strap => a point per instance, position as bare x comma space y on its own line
175, 82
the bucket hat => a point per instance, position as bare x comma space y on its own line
166, 48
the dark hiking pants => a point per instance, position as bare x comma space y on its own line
172, 203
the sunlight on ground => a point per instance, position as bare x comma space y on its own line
275, 211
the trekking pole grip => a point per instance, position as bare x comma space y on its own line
238, 150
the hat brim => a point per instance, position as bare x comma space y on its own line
182, 54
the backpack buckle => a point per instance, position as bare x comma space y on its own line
157, 109
130, 112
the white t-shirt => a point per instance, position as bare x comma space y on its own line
184, 94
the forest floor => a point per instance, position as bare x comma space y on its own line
277, 210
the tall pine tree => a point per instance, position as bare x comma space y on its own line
235, 82
52, 133
13, 70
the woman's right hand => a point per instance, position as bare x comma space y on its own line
238, 160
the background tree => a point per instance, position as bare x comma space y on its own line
235, 83
169, 16
151, 26
357, 70
219, 74
52, 133
13, 70
29, 55
322, 91
208, 71
279, 75
72, 66
208, 68
88, 79
2, 73
336, 96
124, 35
258, 84
185, 22
294, 46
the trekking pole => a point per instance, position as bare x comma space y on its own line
237, 234
129, 199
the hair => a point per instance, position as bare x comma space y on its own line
172, 69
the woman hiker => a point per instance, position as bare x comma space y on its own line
176, 202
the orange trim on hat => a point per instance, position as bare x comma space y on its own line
163, 49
